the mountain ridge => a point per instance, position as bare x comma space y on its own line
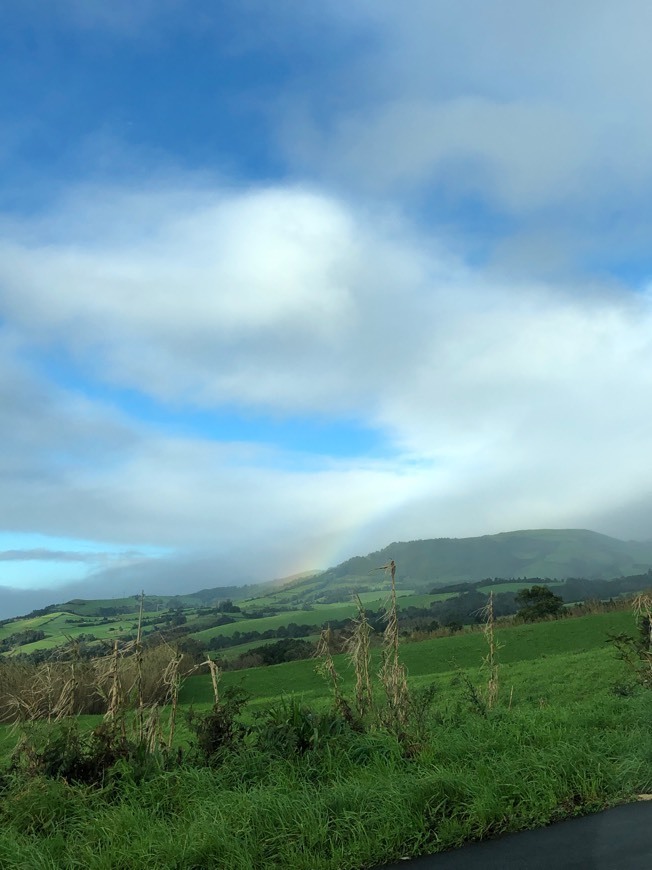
528, 553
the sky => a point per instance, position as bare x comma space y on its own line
281, 283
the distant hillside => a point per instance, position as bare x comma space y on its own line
421, 566
231, 620
254, 590
553, 553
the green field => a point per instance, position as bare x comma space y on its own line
299, 601
60, 627
423, 599
317, 616
27, 624
293, 780
233, 652
540, 645
559, 742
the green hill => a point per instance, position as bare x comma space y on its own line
552, 553
306, 602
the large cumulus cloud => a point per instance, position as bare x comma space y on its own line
502, 404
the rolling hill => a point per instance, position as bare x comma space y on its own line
423, 565
305, 602
551, 553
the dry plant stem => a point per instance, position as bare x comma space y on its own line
114, 696
46, 694
391, 632
65, 705
215, 679
139, 669
393, 675
172, 680
642, 605
42, 693
48, 681
358, 649
327, 666
491, 659
152, 736
26, 706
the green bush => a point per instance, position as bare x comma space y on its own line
63, 751
219, 729
291, 728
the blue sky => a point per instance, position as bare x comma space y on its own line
281, 283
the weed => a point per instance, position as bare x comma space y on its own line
392, 674
292, 728
219, 729
490, 661
474, 697
636, 652
358, 649
63, 751
327, 669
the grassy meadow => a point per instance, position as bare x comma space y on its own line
83, 619
295, 784
565, 651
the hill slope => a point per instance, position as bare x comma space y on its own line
421, 566
299, 606
553, 553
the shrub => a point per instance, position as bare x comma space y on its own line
291, 728
64, 752
219, 728
538, 602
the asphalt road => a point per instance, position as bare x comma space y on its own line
615, 839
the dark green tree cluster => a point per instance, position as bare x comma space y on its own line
538, 602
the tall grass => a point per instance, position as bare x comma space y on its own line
636, 652
358, 648
107, 685
326, 667
298, 787
392, 674
356, 802
491, 659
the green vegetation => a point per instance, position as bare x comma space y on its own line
537, 603
135, 749
290, 780
514, 586
232, 631
539, 645
541, 553
431, 574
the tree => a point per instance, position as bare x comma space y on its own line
537, 603
227, 606
177, 618
193, 648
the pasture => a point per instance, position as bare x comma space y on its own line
560, 653
295, 787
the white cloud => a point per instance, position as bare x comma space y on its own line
505, 402
251, 509
507, 405
540, 112
215, 301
